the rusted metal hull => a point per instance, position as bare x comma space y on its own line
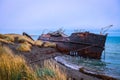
84, 44
91, 52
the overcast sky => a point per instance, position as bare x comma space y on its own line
32, 16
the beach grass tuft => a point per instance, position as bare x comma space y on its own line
49, 44
39, 43
14, 67
22, 39
59, 74
6, 38
24, 47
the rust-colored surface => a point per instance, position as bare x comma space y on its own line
84, 43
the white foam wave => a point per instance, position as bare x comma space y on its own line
66, 63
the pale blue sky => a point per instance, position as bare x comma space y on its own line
32, 16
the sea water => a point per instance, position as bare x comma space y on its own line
112, 56
109, 64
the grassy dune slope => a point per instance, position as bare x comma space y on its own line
15, 67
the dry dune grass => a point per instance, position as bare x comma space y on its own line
2, 36
5, 41
22, 39
59, 74
6, 38
45, 44
49, 44
25, 47
11, 38
13, 67
50, 71
38, 43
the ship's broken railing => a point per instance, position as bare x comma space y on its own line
104, 29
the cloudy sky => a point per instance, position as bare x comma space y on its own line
32, 16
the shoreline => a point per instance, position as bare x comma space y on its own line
38, 54
83, 70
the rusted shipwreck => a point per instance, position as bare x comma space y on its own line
84, 44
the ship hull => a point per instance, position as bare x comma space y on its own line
84, 44
91, 52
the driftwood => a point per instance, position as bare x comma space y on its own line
100, 76
25, 34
